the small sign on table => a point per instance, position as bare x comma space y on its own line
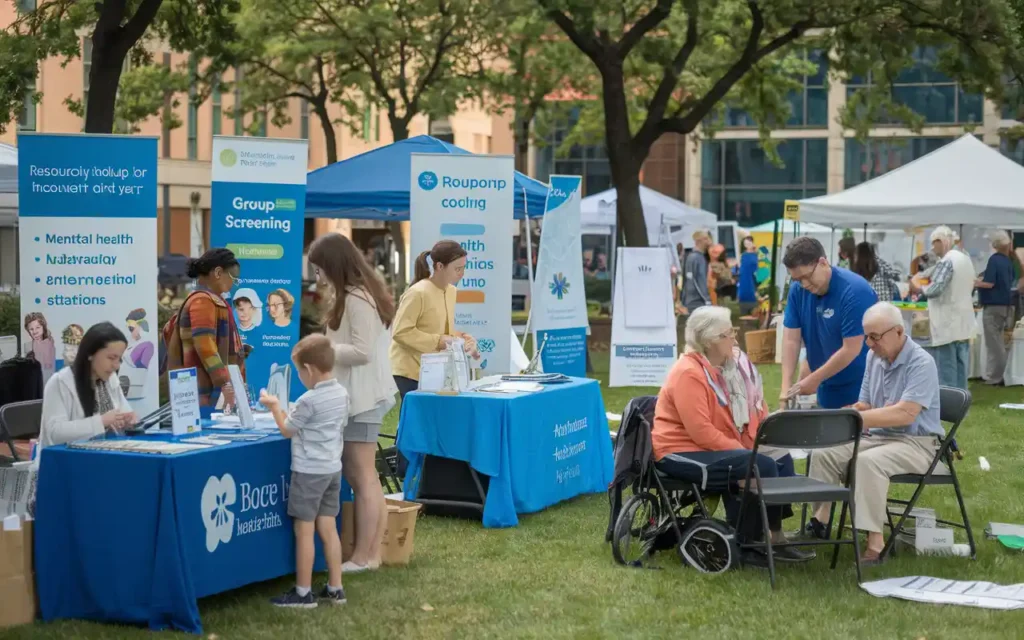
184, 392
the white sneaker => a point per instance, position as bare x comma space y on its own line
351, 567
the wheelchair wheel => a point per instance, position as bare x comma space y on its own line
636, 530
709, 546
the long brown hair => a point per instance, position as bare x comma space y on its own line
344, 266
865, 263
444, 252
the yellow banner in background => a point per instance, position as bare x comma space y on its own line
791, 210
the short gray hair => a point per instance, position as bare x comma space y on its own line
1000, 239
705, 325
944, 234
884, 311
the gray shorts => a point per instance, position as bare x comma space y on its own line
314, 494
361, 432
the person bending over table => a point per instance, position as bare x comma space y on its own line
359, 309
425, 320
85, 400
207, 337
708, 411
825, 312
899, 403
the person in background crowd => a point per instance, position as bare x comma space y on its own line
746, 285
85, 399
600, 266
71, 337
847, 252
43, 348
950, 308
880, 274
995, 294
708, 412
425, 320
899, 404
725, 282
825, 311
206, 336
359, 310
695, 273
588, 260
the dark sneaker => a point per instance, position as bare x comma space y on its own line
793, 554
293, 600
338, 597
815, 530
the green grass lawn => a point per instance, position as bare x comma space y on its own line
553, 576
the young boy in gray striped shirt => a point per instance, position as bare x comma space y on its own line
315, 425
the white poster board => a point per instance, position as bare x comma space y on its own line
469, 199
184, 392
642, 355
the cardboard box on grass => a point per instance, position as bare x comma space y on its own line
17, 583
397, 546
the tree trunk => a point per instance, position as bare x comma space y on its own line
399, 131
103, 80
521, 128
625, 168
330, 137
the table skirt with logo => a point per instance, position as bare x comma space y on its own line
538, 448
138, 538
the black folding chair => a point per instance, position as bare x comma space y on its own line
19, 421
813, 429
953, 406
387, 466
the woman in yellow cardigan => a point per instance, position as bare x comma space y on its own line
425, 320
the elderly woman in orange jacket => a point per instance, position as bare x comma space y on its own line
708, 413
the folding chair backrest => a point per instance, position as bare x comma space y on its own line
22, 420
813, 429
953, 405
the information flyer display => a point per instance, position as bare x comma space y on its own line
641, 356
183, 389
559, 303
87, 208
259, 201
469, 199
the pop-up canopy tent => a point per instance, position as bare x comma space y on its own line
963, 182
8, 185
597, 214
375, 185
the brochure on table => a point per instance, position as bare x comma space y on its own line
559, 302
184, 392
87, 209
259, 196
642, 355
469, 199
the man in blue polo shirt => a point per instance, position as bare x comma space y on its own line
825, 312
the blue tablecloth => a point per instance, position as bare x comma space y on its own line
137, 538
538, 448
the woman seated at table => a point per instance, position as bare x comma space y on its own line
708, 411
85, 399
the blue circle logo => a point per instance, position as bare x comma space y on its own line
428, 180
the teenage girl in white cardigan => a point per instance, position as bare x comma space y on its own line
359, 310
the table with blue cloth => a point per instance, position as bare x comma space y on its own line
138, 537
537, 448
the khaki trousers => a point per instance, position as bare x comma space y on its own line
880, 458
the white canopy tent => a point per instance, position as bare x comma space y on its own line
597, 215
963, 182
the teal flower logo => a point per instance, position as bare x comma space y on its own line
559, 285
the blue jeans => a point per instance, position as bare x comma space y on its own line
952, 360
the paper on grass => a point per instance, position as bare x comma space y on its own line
996, 529
968, 593
1011, 405
613, 417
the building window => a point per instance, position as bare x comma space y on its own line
808, 105
376, 128
589, 161
86, 72
303, 119
928, 92
193, 109
239, 115
26, 6
215, 96
741, 184
1012, 149
27, 116
867, 160
261, 120
367, 115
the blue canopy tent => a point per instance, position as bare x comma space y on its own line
375, 185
